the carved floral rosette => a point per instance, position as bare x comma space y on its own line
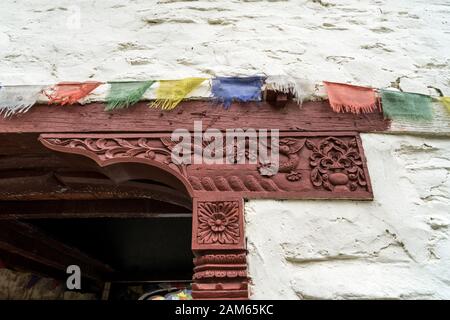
218, 224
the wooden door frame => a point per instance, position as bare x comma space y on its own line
218, 191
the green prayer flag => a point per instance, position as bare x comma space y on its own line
406, 106
124, 94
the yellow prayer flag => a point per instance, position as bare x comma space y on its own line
446, 102
171, 92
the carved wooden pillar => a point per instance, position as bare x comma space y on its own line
218, 241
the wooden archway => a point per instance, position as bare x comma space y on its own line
217, 230
218, 191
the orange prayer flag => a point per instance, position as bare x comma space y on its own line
348, 98
70, 92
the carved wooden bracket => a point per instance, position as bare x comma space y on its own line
324, 165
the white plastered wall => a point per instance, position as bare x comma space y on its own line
396, 246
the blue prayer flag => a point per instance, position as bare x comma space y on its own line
227, 89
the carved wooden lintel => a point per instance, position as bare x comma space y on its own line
321, 165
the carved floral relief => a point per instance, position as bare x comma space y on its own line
336, 164
218, 222
309, 165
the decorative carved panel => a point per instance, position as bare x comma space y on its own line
337, 164
106, 148
218, 224
311, 165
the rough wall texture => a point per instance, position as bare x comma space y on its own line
372, 42
395, 247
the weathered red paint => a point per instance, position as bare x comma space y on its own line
312, 116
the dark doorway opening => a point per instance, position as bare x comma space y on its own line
137, 248
118, 243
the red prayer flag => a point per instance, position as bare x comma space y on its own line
349, 98
70, 92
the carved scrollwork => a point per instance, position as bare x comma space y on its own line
336, 164
113, 148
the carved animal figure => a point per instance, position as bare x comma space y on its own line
290, 148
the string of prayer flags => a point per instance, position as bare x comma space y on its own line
342, 97
18, 99
349, 98
226, 89
124, 94
70, 92
296, 87
171, 92
406, 106
446, 102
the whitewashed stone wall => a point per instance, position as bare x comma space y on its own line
394, 247
372, 42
